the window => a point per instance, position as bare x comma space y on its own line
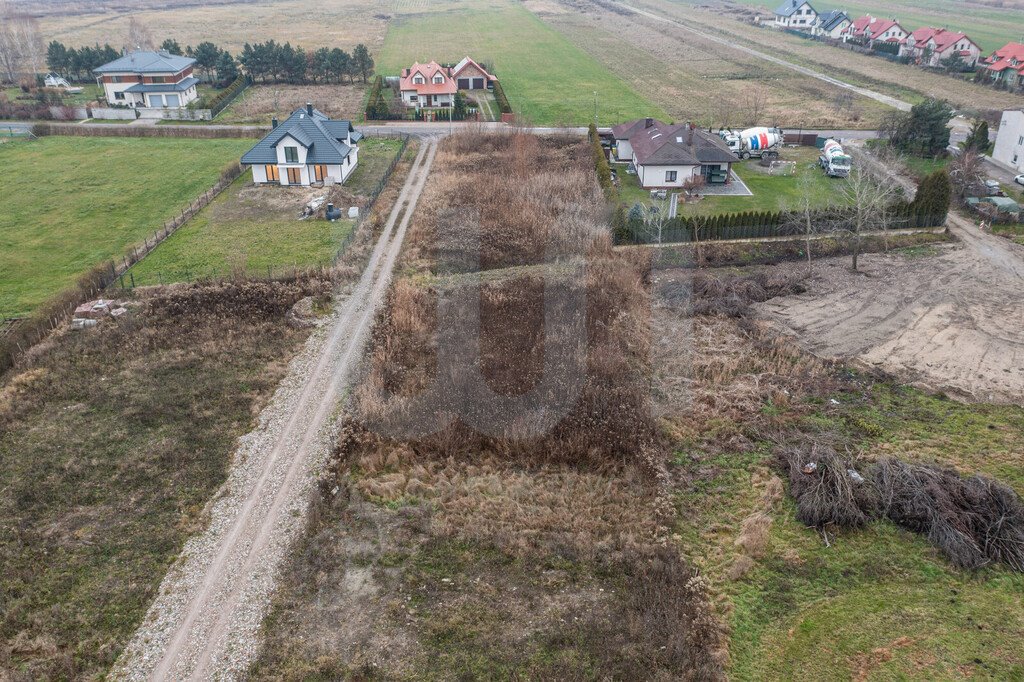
159, 79
291, 154
118, 95
1020, 140
418, 79
670, 176
414, 98
439, 78
294, 176
273, 175
320, 172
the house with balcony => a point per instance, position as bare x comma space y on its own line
307, 148
148, 79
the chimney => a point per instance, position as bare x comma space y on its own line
309, 108
273, 123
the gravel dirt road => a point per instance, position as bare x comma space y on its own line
951, 322
204, 623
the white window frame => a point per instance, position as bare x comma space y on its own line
671, 176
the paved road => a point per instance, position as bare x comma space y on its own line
884, 99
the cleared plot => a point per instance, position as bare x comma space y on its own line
111, 443
260, 103
900, 80
547, 79
308, 23
699, 80
251, 229
72, 202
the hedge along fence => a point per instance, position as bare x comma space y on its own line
227, 95
499, 96
34, 329
765, 225
604, 170
115, 130
377, 108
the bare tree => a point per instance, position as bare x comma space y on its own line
139, 35
755, 101
21, 45
869, 196
808, 214
967, 175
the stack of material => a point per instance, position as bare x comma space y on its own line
89, 314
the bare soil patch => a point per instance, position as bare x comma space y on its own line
260, 103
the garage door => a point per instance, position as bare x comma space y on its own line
172, 100
463, 84
478, 83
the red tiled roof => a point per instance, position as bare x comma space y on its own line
880, 26
1009, 56
428, 71
468, 61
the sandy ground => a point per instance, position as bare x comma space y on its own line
951, 322
204, 623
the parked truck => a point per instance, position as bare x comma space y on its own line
833, 160
753, 142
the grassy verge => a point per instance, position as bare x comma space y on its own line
72, 202
111, 443
256, 229
547, 80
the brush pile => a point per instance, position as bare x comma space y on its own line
730, 295
974, 521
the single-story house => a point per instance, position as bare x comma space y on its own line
796, 14
622, 133
931, 46
1009, 147
434, 85
832, 24
148, 79
1006, 65
673, 155
870, 30
307, 148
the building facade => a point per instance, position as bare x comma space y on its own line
148, 79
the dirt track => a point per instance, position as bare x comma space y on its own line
204, 623
952, 322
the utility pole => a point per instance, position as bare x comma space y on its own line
595, 108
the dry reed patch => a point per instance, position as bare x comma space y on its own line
259, 103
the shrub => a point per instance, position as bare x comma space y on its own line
499, 96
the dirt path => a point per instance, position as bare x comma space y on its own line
204, 623
731, 43
953, 322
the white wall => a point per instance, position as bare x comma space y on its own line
1009, 148
654, 176
803, 18
289, 141
623, 150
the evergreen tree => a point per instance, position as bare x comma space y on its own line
362, 61
227, 69
57, 58
206, 55
341, 64
977, 139
171, 45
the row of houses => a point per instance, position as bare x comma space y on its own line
927, 46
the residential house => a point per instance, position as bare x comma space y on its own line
668, 156
307, 148
148, 79
434, 85
869, 30
622, 133
1009, 147
832, 24
1006, 65
796, 14
930, 46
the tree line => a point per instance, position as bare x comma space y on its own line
266, 62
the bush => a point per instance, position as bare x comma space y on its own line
499, 95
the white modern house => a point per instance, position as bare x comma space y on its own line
796, 14
832, 24
307, 148
1009, 147
148, 79
671, 156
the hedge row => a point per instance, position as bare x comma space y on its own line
499, 96
376, 105
227, 95
604, 171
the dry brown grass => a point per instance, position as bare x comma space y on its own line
259, 103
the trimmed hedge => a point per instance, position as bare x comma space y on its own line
499, 96
227, 95
376, 105
604, 171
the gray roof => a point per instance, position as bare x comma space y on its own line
626, 130
321, 137
829, 20
146, 62
787, 8
184, 85
665, 145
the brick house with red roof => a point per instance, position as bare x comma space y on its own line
1006, 65
868, 30
434, 85
931, 46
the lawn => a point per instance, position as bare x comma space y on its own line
547, 80
256, 229
69, 203
770, 192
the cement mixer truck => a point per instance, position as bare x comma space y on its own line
833, 160
753, 142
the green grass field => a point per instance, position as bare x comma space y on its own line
69, 203
256, 230
547, 79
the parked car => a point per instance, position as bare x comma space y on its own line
1019, 179
993, 188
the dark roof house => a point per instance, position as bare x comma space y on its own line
679, 145
789, 8
147, 62
323, 139
831, 20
